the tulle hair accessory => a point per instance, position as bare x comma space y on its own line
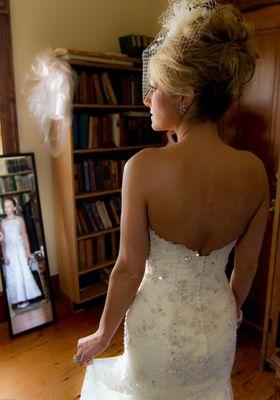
49, 87
182, 23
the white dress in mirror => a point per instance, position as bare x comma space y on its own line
20, 283
180, 331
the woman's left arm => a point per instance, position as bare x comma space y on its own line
134, 249
129, 268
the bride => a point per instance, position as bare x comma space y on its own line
184, 208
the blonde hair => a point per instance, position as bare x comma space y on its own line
208, 49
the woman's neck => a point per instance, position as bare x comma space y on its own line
11, 216
198, 134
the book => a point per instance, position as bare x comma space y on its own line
115, 128
110, 225
83, 131
102, 214
109, 87
82, 254
89, 252
97, 88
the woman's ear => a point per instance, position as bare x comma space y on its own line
189, 96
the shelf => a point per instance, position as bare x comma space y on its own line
16, 192
97, 65
122, 148
90, 235
93, 291
18, 173
111, 106
98, 266
96, 193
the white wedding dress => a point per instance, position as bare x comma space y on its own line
179, 332
20, 283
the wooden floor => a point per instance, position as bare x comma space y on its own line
38, 365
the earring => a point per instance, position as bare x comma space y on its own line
183, 109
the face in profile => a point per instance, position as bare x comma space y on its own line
9, 207
164, 108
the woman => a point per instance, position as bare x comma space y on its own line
184, 208
20, 283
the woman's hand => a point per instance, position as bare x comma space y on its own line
90, 346
30, 256
6, 261
1, 236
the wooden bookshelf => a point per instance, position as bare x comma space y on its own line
93, 291
15, 192
109, 149
109, 106
77, 276
17, 173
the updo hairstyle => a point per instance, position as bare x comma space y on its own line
208, 48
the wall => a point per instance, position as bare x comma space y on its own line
85, 25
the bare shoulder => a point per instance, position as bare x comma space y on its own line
257, 166
142, 159
139, 169
257, 173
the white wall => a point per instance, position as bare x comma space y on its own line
85, 25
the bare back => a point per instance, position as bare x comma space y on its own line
203, 199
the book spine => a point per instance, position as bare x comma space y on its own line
101, 213
110, 225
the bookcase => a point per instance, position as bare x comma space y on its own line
110, 124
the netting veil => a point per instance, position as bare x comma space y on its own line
182, 23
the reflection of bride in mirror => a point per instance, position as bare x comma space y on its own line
20, 283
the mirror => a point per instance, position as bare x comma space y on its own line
24, 263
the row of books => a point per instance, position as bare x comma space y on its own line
16, 182
95, 216
102, 88
12, 165
98, 249
112, 130
98, 174
133, 45
93, 277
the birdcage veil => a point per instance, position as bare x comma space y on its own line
186, 17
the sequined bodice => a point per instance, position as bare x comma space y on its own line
180, 331
189, 253
176, 264
11, 230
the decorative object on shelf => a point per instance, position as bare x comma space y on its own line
49, 86
24, 262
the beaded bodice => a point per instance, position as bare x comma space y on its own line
180, 330
172, 261
11, 230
